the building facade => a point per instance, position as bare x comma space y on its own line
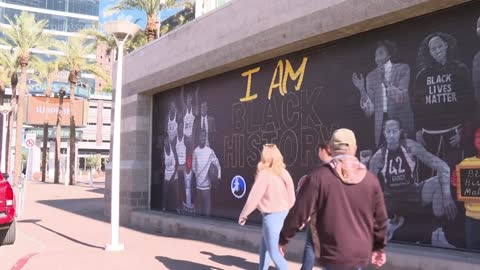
65, 18
401, 74
96, 134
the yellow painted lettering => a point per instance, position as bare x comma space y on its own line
294, 75
274, 84
248, 95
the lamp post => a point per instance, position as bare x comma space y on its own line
121, 31
5, 110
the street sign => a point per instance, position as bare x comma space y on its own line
30, 139
52, 133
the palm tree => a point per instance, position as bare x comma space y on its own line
46, 73
25, 34
58, 136
152, 9
4, 78
9, 60
74, 60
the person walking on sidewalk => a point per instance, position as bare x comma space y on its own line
351, 219
308, 260
272, 194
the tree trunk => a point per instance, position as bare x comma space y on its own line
58, 138
11, 117
44, 152
20, 117
45, 142
72, 127
151, 30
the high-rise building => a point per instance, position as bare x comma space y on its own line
65, 18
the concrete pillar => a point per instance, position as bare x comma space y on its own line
135, 155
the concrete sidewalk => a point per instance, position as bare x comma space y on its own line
64, 228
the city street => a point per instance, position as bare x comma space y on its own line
64, 228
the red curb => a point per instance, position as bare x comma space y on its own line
23, 261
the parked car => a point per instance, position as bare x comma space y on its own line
7, 213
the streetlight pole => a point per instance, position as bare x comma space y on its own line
5, 110
121, 31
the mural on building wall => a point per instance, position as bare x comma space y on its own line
412, 100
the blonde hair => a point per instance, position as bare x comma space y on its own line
271, 159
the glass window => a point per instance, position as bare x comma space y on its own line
29, 3
60, 5
87, 7
55, 22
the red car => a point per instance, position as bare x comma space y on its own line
7, 213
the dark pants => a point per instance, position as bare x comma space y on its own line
438, 143
472, 233
204, 204
181, 186
170, 195
308, 252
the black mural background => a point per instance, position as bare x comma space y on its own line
299, 120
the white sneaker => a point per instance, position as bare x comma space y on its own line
439, 240
393, 225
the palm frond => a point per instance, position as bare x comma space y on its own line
9, 60
26, 33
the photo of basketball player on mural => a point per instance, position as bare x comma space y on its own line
206, 168
172, 125
443, 88
472, 209
190, 113
385, 91
181, 154
170, 186
395, 163
207, 123
476, 75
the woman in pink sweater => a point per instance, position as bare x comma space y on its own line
272, 194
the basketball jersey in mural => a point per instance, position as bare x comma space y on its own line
172, 127
188, 121
399, 169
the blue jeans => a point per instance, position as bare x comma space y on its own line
269, 250
472, 233
308, 252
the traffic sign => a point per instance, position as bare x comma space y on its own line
30, 139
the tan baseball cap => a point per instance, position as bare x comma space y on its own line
342, 139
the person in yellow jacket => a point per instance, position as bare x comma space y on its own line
472, 210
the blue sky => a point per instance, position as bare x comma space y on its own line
130, 15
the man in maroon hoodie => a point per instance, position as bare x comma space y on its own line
351, 223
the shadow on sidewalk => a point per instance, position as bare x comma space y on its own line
229, 260
35, 221
173, 264
90, 207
